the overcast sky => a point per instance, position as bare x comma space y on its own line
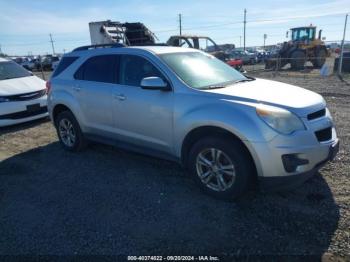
25, 25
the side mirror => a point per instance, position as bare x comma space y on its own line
154, 83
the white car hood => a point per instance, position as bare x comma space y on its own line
21, 85
275, 93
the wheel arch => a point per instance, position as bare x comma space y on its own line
58, 108
205, 131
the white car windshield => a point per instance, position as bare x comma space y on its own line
9, 70
201, 71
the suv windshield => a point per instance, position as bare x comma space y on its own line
201, 71
9, 70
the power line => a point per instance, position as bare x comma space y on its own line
295, 17
220, 26
86, 40
200, 27
213, 25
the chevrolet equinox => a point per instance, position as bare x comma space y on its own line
227, 129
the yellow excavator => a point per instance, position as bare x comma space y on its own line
303, 47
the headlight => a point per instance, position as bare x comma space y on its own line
280, 119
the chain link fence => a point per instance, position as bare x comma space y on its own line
300, 66
282, 66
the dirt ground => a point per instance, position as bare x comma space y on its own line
108, 201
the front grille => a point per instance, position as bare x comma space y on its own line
324, 134
26, 96
316, 114
25, 114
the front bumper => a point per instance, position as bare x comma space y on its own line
17, 112
280, 183
10, 122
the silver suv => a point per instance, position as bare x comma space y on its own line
227, 129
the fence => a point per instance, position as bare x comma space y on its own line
282, 66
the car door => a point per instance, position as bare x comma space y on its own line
142, 117
95, 80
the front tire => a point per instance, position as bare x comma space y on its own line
69, 132
298, 60
222, 167
320, 58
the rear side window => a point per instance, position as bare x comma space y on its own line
64, 63
98, 69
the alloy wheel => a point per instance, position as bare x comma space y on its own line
215, 169
67, 132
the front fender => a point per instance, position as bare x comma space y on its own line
237, 118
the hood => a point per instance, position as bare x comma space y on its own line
21, 85
296, 99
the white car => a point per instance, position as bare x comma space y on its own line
22, 95
28, 64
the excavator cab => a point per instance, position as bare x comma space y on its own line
303, 33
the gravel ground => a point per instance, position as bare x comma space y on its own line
108, 201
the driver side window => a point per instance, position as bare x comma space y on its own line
134, 68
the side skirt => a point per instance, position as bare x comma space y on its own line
132, 147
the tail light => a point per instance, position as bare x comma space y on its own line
48, 86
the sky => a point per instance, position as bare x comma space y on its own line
25, 25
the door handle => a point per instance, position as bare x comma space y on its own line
120, 97
77, 88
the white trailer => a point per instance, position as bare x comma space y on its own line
106, 32
109, 32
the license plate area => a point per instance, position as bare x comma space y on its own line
33, 108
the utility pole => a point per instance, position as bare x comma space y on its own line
240, 41
342, 47
244, 24
265, 36
180, 24
53, 48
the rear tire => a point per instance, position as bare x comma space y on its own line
320, 57
298, 60
69, 132
222, 167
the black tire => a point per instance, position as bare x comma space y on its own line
239, 157
320, 57
79, 141
298, 60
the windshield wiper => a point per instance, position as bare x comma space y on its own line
226, 84
248, 79
214, 87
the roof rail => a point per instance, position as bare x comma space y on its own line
150, 44
87, 47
